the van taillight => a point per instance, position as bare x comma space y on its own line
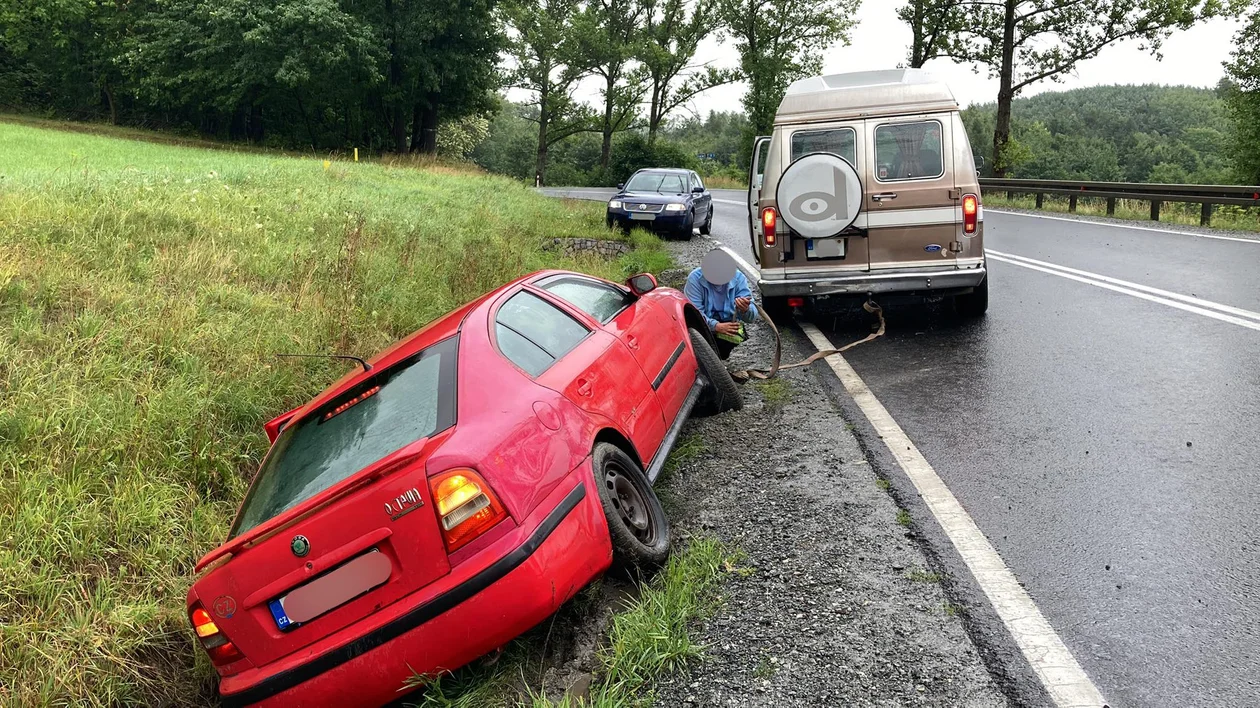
466, 506
971, 211
222, 652
769, 221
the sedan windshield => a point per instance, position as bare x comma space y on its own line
660, 182
387, 412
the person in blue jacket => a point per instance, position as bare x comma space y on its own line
720, 292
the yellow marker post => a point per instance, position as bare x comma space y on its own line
327, 164
356, 154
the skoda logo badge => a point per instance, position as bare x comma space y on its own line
300, 546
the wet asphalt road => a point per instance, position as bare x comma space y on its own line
1107, 445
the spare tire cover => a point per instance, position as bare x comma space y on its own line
819, 195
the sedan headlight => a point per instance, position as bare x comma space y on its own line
675, 207
614, 204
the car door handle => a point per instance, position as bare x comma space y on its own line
584, 387
632, 342
884, 195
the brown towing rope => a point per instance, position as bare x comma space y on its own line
743, 376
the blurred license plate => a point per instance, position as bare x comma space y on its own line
824, 248
331, 590
643, 217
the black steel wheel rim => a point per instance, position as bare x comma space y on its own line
628, 500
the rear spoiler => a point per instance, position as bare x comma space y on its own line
386, 465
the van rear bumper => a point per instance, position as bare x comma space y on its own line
901, 281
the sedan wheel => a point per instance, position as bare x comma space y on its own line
636, 522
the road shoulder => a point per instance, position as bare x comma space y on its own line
834, 602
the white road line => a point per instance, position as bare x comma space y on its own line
1134, 293
1125, 226
728, 201
1136, 286
1058, 670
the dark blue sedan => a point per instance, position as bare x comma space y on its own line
668, 201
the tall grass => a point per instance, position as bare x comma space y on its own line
1237, 218
144, 290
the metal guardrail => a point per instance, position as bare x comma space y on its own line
1208, 195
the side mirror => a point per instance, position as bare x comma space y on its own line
621, 186
698, 189
641, 284
979, 161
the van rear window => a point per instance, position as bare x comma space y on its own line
390, 410
908, 151
839, 141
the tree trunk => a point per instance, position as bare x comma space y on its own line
113, 106
540, 167
916, 46
417, 116
429, 126
310, 132
1002, 130
255, 123
605, 150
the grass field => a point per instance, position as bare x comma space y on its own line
144, 289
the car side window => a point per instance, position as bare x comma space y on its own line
696, 181
533, 333
599, 300
909, 151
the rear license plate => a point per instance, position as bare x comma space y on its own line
825, 247
643, 217
331, 590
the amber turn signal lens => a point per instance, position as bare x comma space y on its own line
216, 644
466, 506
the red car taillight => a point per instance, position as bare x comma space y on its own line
222, 652
466, 506
971, 211
769, 223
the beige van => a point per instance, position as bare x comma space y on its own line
867, 187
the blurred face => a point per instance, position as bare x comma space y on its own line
718, 267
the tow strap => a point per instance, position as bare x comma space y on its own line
763, 374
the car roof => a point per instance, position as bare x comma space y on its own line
668, 170
864, 93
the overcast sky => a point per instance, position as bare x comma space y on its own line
880, 40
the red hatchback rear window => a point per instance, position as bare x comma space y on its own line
390, 410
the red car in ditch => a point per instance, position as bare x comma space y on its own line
455, 491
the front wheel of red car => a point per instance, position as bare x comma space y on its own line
636, 521
722, 394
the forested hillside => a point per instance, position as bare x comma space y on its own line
1115, 133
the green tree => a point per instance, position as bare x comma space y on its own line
607, 36
1243, 98
936, 28
780, 41
1023, 42
548, 65
673, 30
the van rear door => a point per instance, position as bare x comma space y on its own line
757, 173
911, 199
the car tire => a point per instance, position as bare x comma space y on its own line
707, 227
975, 303
722, 394
637, 525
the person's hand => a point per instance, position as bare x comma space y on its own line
729, 328
742, 303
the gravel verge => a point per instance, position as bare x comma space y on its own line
835, 602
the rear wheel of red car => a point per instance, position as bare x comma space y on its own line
722, 394
636, 521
